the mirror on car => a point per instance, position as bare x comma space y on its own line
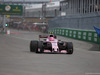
44, 39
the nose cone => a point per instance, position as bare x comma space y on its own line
55, 49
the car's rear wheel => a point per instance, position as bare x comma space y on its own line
40, 47
69, 48
33, 45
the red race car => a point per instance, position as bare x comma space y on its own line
51, 45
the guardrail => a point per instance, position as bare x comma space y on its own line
85, 35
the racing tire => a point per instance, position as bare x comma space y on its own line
33, 46
69, 48
40, 47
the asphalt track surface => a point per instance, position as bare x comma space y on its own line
16, 58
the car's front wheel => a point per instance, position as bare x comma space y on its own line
33, 45
40, 47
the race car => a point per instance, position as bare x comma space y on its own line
51, 45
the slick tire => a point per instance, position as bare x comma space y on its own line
69, 48
33, 46
40, 47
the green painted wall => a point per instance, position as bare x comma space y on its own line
85, 35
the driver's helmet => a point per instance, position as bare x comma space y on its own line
51, 37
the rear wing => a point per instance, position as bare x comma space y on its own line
42, 36
45, 36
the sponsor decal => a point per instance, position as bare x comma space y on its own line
7, 8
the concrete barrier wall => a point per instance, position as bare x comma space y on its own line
85, 35
79, 21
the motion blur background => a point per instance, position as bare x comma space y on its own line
45, 15
77, 14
